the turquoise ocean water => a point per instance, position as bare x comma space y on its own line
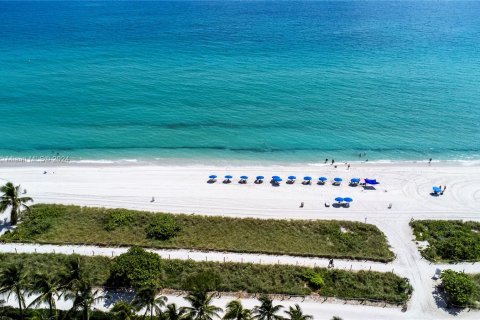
258, 81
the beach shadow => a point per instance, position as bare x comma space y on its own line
290, 182
337, 205
441, 303
211, 181
227, 181
258, 181
113, 296
306, 183
5, 226
369, 188
433, 194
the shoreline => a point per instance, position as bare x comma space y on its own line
205, 163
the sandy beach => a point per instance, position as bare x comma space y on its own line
184, 189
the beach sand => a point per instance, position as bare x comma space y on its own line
184, 189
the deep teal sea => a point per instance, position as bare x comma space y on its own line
259, 81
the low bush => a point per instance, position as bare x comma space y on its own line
117, 218
162, 227
314, 279
460, 288
137, 268
449, 240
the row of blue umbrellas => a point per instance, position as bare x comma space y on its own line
277, 178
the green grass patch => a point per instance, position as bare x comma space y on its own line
107, 227
451, 241
234, 277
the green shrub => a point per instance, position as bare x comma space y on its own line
459, 288
449, 240
162, 227
118, 218
314, 279
136, 268
203, 281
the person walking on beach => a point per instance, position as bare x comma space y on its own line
348, 166
301, 205
326, 160
430, 161
333, 161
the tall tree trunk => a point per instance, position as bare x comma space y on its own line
85, 313
20, 307
14, 215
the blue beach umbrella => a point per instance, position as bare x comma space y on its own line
437, 189
260, 177
307, 178
347, 199
244, 177
339, 199
292, 177
212, 176
355, 180
228, 177
322, 179
338, 179
276, 178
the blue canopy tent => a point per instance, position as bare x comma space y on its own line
437, 190
339, 199
260, 177
228, 177
338, 179
371, 181
244, 177
355, 180
212, 176
292, 177
323, 179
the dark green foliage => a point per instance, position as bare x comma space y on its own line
117, 218
137, 268
12, 313
449, 240
162, 227
235, 277
73, 224
203, 281
460, 288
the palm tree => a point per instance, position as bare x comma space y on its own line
297, 314
83, 297
73, 275
12, 280
122, 310
173, 313
147, 298
266, 310
235, 311
201, 306
46, 287
10, 198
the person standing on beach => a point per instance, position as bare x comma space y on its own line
333, 161
430, 161
348, 166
